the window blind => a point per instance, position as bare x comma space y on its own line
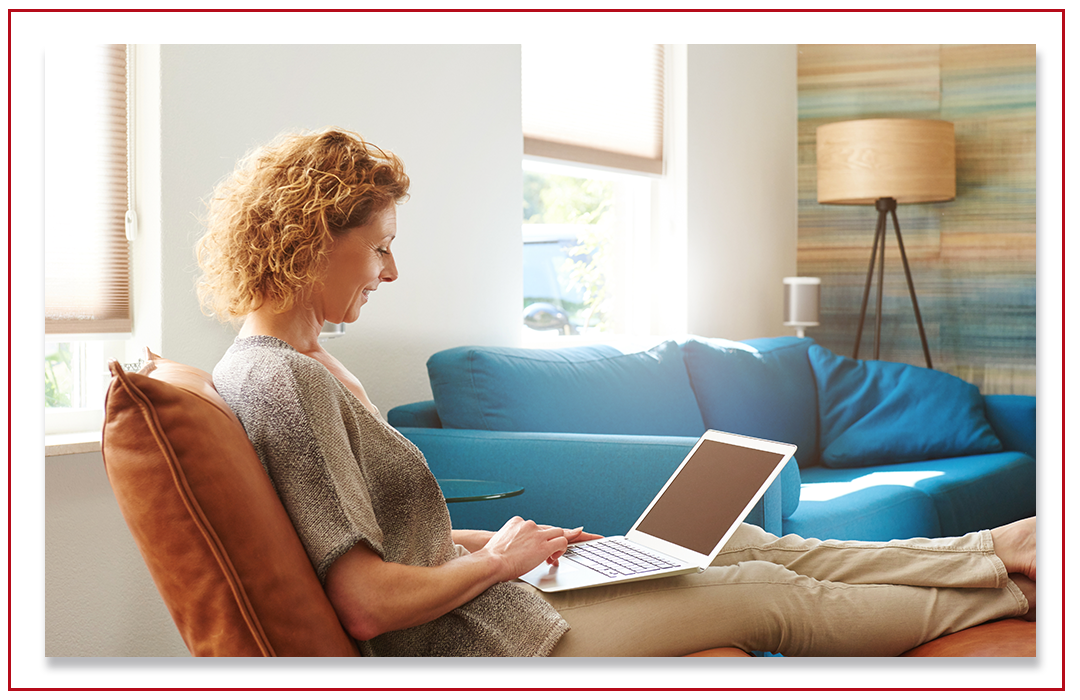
87, 280
599, 105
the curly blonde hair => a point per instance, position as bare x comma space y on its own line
269, 223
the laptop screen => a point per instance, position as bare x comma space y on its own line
707, 497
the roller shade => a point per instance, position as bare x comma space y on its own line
87, 279
597, 105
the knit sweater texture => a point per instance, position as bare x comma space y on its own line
346, 477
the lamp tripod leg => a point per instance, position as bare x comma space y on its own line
911, 289
879, 237
880, 288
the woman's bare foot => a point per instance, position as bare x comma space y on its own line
1015, 546
1027, 587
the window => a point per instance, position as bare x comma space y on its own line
87, 271
578, 235
76, 378
597, 230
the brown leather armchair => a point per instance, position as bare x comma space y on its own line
222, 551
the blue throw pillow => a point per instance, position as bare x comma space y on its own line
764, 388
874, 412
592, 389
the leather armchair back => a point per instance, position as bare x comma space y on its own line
218, 543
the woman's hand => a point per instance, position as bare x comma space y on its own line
522, 545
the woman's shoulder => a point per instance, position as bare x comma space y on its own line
259, 346
266, 366
255, 350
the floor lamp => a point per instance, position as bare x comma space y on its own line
886, 162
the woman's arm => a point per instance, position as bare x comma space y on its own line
472, 540
372, 596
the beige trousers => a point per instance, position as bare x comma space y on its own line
798, 597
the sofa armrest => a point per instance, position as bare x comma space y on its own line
1013, 419
421, 414
601, 482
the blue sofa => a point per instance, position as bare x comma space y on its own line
885, 450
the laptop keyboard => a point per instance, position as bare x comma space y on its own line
616, 557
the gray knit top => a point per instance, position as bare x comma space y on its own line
345, 477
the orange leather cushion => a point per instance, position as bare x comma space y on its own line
1012, 637
213, 533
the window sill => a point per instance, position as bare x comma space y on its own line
72, 443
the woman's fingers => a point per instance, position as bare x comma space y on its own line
523, 544
576, 534
583, 536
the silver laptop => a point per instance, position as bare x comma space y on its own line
687, 523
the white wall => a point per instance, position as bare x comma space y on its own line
99, 597
742, 201
453, 114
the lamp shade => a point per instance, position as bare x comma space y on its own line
802, 301
909, 160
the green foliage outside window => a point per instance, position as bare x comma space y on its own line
562, 199
586, 271
59, 377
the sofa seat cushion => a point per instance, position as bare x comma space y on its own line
874, 412
590, 389
944, 497
873, 513
763, 388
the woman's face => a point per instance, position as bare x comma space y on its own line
360, 260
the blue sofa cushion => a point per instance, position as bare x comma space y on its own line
763, 388
875, 513
590, 389
936, 498
874, 412
1013, 419
420, 414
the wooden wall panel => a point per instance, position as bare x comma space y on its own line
972, 259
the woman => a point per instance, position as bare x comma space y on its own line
301, 234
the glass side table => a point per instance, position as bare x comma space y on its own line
462, 490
